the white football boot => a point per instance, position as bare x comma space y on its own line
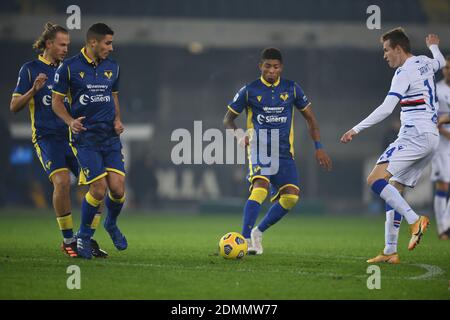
256, 242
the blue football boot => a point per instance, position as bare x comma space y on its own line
118, 239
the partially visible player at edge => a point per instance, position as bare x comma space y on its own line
269, 103
49, 133
91, 80
440, 173
402, 163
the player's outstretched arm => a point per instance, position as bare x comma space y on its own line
18, 102
228, 122
378, 115
432, 41
321, 156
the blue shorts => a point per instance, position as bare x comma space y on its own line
96, 162
55, 155
286, 176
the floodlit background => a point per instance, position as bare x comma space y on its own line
183, 61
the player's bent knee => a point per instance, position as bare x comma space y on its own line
98, 189
288, 201
258, 195
117, 194
61, 182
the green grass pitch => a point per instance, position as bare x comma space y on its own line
172, 256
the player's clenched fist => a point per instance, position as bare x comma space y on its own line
118, 127
39, 82
348, 136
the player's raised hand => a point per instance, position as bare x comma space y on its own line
432, 39
118, 127
76, 125
39, 82
348, 136
323, 159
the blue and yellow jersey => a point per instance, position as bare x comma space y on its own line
44, 121
89, 88
271, 106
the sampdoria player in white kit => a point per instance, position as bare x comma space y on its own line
440, 165
403, 161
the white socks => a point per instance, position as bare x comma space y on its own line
391, 231
396, 201
440, 204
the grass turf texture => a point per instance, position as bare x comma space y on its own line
173, 257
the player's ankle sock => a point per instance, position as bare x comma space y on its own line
392, 197
391, 230
251, 210
446, 217
275, 213
278, 210
114, 207
89, 208
95, 222
65, 224
440, 204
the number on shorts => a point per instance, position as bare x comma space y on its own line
390, 152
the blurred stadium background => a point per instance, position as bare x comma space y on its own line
183, 61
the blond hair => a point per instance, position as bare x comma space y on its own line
49, 33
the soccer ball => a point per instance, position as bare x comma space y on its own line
233, 246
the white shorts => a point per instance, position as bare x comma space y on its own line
440, 164
409, 154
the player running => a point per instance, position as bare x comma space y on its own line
269, 103
440, 173
49, 133
402, 163
91, 80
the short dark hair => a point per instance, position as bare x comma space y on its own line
397, 37
98, 31
272, 54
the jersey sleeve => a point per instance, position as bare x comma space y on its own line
23, 82
239, 101
400, 84
438, 61
300, 99
61, 81
115, 87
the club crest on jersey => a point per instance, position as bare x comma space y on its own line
48, 164
81, 74
259, 98
108, 74
284, 96
86, 172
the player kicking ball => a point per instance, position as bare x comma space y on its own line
402, 163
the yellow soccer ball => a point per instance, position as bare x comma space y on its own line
233, 246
